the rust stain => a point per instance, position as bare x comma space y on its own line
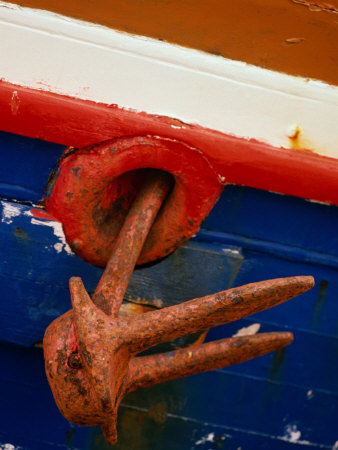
297, 140
130, 309
249, 30
277, 364
158, 412
323, 286
21, 234
15, 103
293, 134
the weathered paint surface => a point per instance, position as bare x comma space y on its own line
78, 123
282, 35
293, 392
190, 86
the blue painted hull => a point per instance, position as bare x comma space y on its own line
282, 400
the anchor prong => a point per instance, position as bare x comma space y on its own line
146, 330
145, 371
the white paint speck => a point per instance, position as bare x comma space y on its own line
9, 211
231, 251
309, 394
58, 247
209, 438
177, 126
58, 232
292, 434
292, 131
9, 447
248, 331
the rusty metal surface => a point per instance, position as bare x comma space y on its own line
110, 291
90, 352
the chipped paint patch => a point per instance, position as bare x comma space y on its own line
58, 232
209, 438
9, 211
293, 435
309, 394
9, 447
317, 6
15, 103
248, 331
229, 250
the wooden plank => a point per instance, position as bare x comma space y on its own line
242, 211
248, 413
243, 403
37, 264
284, 36
308, 363
71, 121
25, 166
286, 393
150, 431
268, 217
316, 310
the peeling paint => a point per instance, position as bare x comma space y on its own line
295, 40
208, 438
316, 6
309, 394
9, 447
58, 232
293, 435
9, 211
231, 251
15, 103
212, 438
248, 331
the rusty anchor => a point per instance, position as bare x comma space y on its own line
90, 351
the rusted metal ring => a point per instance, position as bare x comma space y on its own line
94, 187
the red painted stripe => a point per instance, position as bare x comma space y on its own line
70, 121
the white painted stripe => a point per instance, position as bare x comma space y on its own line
47, 51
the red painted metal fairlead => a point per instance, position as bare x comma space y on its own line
93, 189
90, 352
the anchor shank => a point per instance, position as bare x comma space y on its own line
110, 291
